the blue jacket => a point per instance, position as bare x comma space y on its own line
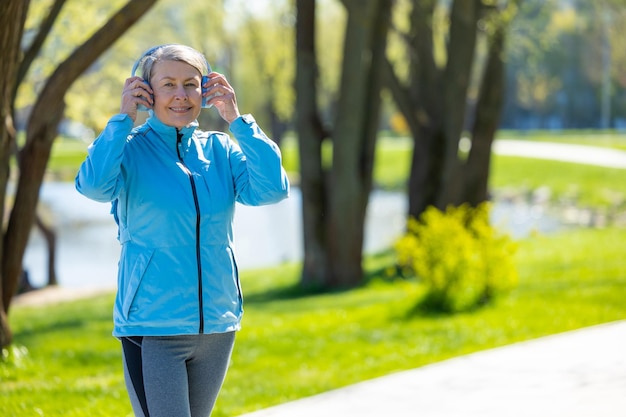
173, 197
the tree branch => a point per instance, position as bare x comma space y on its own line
69, 70
34, 48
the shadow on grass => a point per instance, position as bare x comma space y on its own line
298, 290
289, 292
89, 315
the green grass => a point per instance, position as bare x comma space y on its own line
66, 363
586, 185
393, 159
391, 165
66, 157
295, 345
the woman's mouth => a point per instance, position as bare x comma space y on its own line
180, 109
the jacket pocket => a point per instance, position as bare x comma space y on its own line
134, 280
235, 270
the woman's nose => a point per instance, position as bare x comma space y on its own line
181, 93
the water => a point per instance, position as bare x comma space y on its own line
88, 251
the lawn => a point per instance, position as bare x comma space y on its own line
66, 363
583, 185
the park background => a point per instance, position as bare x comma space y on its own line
564, 83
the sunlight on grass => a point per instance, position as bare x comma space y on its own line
295, 344
581, 184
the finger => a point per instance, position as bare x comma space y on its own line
132, 82
215, 78
137, 82
141, 84
139, 94
218, 89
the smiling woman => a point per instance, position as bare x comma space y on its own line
177, 93
173, 190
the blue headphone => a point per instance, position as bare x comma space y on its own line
138, 67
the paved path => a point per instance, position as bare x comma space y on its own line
575, 374
57, 294
581, 154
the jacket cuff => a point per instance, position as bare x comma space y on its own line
242, 123
121, 118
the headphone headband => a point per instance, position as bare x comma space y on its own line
143, 57
149, 52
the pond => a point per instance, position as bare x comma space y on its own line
87, 248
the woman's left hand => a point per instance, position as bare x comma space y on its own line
221, 95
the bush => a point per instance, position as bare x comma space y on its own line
461, 258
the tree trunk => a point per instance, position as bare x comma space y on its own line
12, 21
50, 236
421, 104
41, 132
488, 111
427, 128
463, 31
354, 138
310, 138
334, 204
434, 104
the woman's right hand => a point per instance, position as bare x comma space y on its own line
136, 91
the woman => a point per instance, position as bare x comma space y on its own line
173, 190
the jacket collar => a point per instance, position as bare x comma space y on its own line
166, 131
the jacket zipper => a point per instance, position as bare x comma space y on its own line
179, 137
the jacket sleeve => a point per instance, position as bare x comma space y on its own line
257, 166
99, 177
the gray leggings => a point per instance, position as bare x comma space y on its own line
179, 376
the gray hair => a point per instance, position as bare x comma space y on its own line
174, 52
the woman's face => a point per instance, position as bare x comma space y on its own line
177, 92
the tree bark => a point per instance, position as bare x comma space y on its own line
12, 21
355, 137
488, 111
425, 91
334, 203
310, 138
421, 104
41, 132
434, 103
50, 236
463, 31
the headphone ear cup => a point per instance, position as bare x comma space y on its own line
205, 79
141, 107
138, 67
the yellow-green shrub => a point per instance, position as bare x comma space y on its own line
461, 258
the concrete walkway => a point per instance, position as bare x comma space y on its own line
575, 374
580, 154
57, 294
